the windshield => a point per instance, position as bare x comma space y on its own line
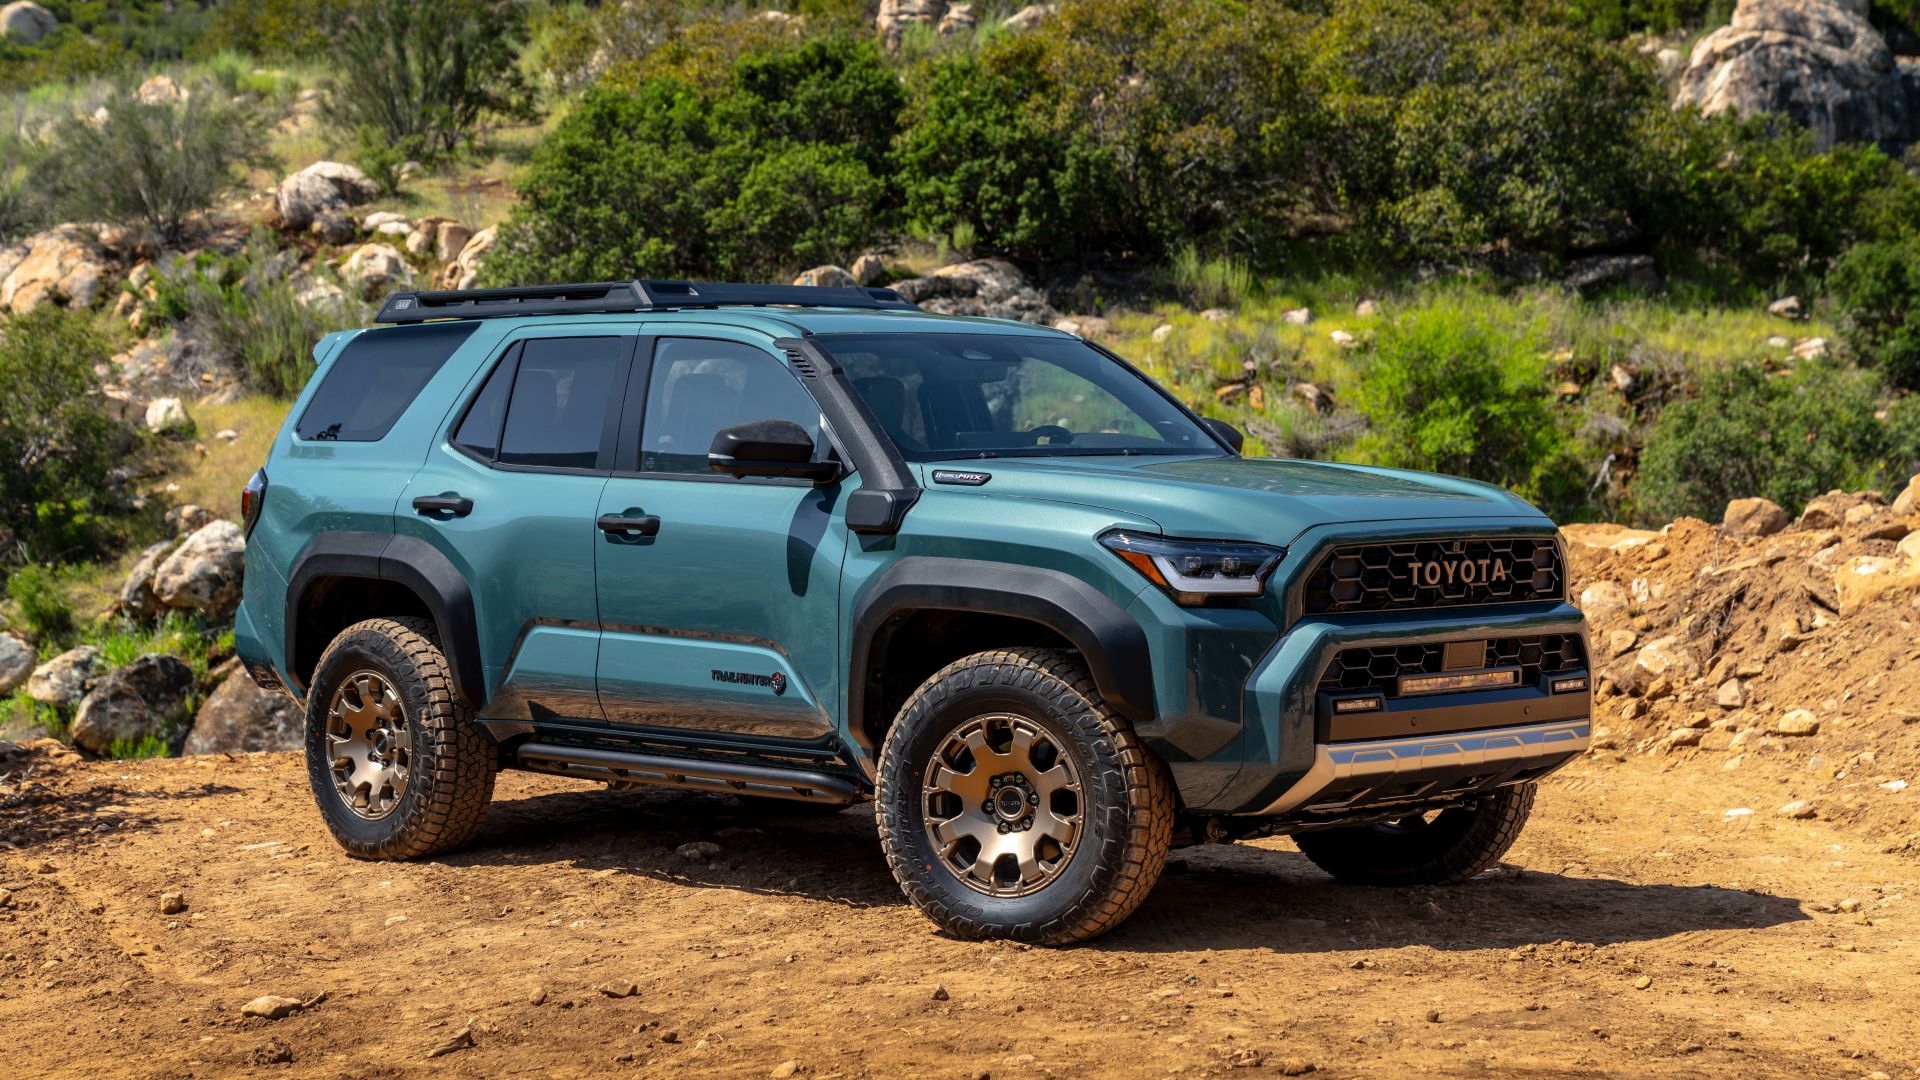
1005, 395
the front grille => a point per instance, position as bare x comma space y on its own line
1435, 573
1380, 667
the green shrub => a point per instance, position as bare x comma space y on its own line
1618, 18
384, 161
149, 164
1746, 433
1446, 391
41, 599
1878, 289
244, 310
57, 444
1209, 283
768, 174
425, 71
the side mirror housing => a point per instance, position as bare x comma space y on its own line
1227, 432
768, 448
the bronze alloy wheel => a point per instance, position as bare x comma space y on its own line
370, 743
1002, 805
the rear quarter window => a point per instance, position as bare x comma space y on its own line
375, 378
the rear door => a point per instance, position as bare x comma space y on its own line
509, 493
722, 620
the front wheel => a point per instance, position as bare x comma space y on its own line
1442, 848
1014, 803
399, 768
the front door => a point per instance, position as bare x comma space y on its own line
719, 606
509, 493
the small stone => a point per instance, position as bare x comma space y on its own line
273, 1052
940, 993
1366, 309
698, 850
1731, 695
620, 988
461, 1040
1787, 307
1797, 722
1620, 642
1433, 1016
537, 996
1753, 517
1685, 736
1798, 810
784, 1069
270, 1007
1738, 812
1295, 1067
172, 903
1297, 317
1161, 333
1849, 905
226, 435
1344, 339
1643, 982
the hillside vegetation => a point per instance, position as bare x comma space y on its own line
1472, 236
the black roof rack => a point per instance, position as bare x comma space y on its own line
605, 296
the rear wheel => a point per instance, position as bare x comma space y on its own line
398, 767
1014, 803
1439, 848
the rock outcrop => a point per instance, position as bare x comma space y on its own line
464, 271
145, 699
320, 187
1819, 62
204, 573
990, 287
239, 717
27, 22
64, 680
829, 276
64, 264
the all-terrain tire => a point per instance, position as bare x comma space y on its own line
1127, 802
1456, 845
452, 761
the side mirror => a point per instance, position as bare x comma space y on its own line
768, 448
1227, 432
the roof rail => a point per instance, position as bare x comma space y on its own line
609, 296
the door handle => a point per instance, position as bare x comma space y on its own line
451, 504
629, 521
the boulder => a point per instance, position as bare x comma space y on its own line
1865, 578
321, 186
65, 679
146, 698
239, 717
204, 573
449, 239
1601, 597
1908, 500
1812, 348
829, 276
1819, 62
189, 518
464, 271
334, 226
869, 269
136, 593
168, 415
1787, 307
895, 17
1828, 511
159, 90
27, 22
16, 663
959, 19
62, 264
1797, 722
1753, 517
1661, 660
372, 222
990, 287
1028, 17
373, 269
1297, 317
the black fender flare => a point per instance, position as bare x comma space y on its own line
407, 561
1108, 639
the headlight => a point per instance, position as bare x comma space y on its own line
1196, 571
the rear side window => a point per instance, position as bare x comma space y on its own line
375, 378
550, 403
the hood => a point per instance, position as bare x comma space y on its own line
1269, 500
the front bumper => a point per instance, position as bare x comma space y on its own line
1346, 777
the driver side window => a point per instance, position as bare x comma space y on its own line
699, 386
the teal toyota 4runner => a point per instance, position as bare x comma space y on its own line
814, 545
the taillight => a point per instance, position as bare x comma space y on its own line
252, 498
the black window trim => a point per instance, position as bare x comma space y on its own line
509, 352
627, 457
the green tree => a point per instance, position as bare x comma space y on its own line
57, 445
425, 71
154, 165
1878, 289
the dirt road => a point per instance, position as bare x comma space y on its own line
1635, 929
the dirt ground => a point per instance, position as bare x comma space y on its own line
1636, 928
